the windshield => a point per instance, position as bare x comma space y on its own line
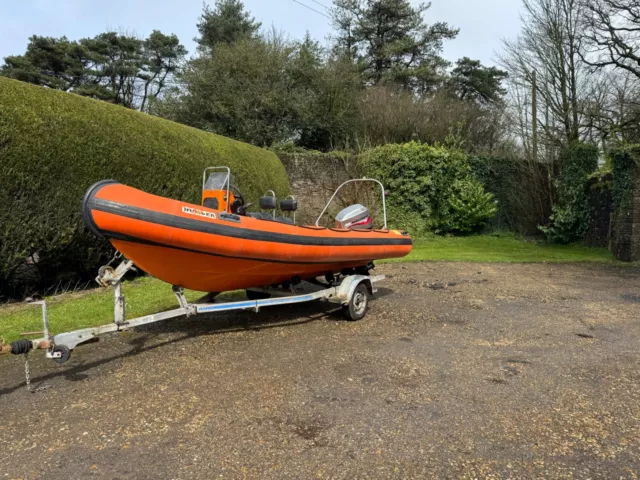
217, 181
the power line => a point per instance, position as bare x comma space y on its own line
313, 9
321, 4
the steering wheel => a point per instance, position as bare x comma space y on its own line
238, 206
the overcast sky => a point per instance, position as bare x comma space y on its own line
482, 23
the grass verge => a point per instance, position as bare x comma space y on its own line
484, 248
148, 295
90, 308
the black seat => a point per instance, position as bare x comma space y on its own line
268, 203
289, 205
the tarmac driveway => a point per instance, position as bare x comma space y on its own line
458, 370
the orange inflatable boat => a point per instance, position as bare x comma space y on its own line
219, 246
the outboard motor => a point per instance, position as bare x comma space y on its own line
356, 217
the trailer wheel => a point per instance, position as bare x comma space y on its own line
253, 295
64, 351
357, 306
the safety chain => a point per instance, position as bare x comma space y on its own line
27, 376
26, 371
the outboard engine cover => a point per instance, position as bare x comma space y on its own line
356, 216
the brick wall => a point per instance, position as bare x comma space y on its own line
314, 177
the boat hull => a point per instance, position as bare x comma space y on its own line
203, 249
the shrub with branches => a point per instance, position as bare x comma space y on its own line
432, 184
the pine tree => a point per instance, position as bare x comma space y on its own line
228, 22
470, 80
392, 41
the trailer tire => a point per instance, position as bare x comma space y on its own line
358, 304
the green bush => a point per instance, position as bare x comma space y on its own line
409, 220
471, 206
433, 184
571, 215
624, 163
54, 146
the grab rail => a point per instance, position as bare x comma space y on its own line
365, 179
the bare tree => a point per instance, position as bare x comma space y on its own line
519, 113
612, 33
612, 108
392, 115
550, 45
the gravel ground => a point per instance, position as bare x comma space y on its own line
458, 370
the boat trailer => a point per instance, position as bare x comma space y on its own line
351, 291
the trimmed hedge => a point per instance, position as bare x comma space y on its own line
55, 145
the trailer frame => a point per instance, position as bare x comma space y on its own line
343, 291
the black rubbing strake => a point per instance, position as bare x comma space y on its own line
175, 221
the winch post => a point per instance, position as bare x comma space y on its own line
110, 277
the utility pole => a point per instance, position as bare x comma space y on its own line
534, 113
549, 156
